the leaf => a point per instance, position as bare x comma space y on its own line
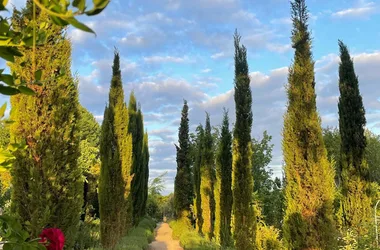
37, 75
8, 79
74, 22
100, 5
8, 90
9, 122
2, 110
58, 21
3, 3
5, 156
27, 91
80, 4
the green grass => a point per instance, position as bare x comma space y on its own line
138, 238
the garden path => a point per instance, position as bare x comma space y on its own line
164, 240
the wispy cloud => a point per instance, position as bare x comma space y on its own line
165, 59
360, 11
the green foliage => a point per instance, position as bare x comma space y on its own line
140, 160
88, 233
14, 40
47, 182
116, 157
222, 190
188, 237
269, 192
197, 147
15, 237
354, 174
138, 237
207, 175
309, 188
244, 223
183, 184
267, 238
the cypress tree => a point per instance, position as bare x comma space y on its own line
356, 203
136, 129
116, 157
47, 182
207, 176
146, 173
197, 178
244, 219
309, 188
222, 190
183, 183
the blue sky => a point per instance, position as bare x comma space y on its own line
178, 49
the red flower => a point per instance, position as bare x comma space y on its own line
52, 238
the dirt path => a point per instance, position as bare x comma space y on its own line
164, 240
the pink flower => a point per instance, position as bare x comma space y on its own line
52, 238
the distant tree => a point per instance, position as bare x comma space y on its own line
356, 201
183, 184
47, 183
269, 192
116, 165
244, 220
207, 175
309, 188
222, 189
145, 181
88, 127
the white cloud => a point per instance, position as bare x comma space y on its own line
206, 70
165, 59
279, 48
217, 55
364, 10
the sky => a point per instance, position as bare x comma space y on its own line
173, 50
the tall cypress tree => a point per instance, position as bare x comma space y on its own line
244, 220
116, 157
356, 203
222, 190
183, 184
197, 178
146, 173
47, 182
309, 190
138, 182
207, 176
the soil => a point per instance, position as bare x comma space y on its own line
163, 239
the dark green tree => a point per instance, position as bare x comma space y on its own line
145, 181
356, 202
244, 220
183, 184
309, 188
47, 182
136, 129
222, 190
207, 175
116, 163
197, 147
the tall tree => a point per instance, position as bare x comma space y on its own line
198, 145
138, 182
222, 190
356, 202
145, 181
207, 175
47, 182
244, 220
116, 163
183, 184
309, 188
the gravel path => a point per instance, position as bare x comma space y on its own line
164, 240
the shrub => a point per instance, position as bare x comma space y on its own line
88, 234
267, 238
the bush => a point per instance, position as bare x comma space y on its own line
188, 237
138, 238
88, 234
267, 238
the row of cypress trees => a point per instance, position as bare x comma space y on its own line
311, 220
124, 173
47, 178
